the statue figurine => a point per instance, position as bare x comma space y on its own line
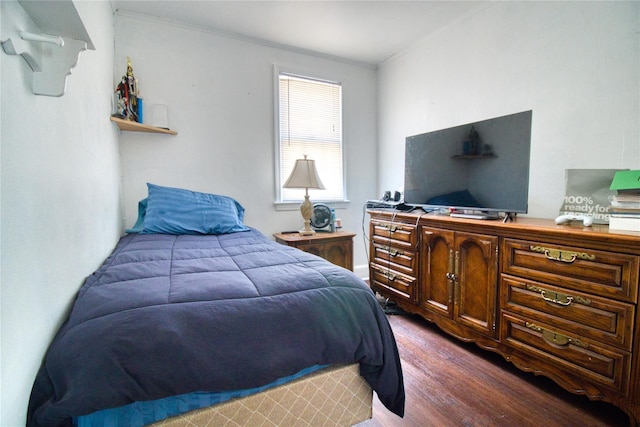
127, 95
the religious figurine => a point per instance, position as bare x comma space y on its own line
127, 95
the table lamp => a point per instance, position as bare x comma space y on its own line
304, 175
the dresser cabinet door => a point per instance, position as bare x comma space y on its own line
436, 276
459, 277
476, 271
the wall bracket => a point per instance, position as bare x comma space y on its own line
54, 52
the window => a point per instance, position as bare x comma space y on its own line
310, 122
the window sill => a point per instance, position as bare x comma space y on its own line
294, 206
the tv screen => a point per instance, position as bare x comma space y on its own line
480, 167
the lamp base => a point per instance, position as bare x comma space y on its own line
306, 232
306, 209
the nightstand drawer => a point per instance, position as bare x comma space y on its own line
586, 359
603, 273
597, 318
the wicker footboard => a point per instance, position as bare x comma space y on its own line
335, 396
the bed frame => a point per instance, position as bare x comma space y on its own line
334, 396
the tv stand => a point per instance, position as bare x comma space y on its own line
509, 216
556, 300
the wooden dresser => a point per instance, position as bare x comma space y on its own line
555, 300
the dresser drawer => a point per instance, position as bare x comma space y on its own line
398, 284
597, 272
401, 259
590, 316
580, 356
398, 234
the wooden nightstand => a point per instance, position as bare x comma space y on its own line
335, 247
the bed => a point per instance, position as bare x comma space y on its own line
193, 305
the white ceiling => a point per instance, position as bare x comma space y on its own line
363, 31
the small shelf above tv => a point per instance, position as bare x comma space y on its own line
128, 125
474, 156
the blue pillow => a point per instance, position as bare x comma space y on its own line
142, 212
178, 211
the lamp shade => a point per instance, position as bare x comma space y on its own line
304, 175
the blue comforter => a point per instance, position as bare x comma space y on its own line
173, 314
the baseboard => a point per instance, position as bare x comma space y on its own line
361, 271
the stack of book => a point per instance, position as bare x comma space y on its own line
625, 205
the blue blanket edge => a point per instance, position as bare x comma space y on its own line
138, 414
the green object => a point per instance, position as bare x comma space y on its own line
626, 180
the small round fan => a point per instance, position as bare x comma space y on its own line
321, 216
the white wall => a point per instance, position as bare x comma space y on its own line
220, 95
575, 64
60, 197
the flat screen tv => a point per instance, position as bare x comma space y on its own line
477, 168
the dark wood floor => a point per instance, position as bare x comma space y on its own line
452, 383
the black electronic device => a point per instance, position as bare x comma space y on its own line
480, 167
380, 204
398, 206
386, 197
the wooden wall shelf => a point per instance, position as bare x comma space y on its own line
140, 127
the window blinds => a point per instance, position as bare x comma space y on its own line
310, 122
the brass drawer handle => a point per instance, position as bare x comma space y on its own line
556, 338
562, 256
388, 275
558, 298
391, 227
394, 252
